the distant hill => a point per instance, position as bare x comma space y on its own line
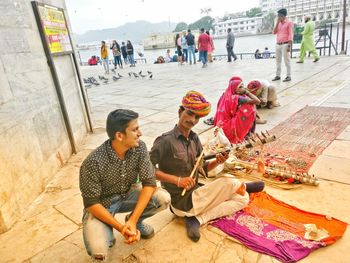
135, 32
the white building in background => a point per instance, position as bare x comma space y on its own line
318, 9
241, 26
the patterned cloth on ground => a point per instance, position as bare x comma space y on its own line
277, 229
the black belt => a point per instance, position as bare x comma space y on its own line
282, 43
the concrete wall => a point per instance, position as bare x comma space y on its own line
33, 138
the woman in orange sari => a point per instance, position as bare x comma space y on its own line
236, 111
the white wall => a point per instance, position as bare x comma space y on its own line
33, 136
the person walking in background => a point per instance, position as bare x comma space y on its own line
184, 47
230, 42
307, 43
191, 46
211, 47
117, 54
130, 52
203, 46
178, 48
284, 31
124, 53
104, 56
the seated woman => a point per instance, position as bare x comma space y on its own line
265, 91
236, 111
257, 54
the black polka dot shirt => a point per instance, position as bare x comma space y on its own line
103, 175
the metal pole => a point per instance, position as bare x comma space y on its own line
343, 29
330, 40
336, 46
81, 85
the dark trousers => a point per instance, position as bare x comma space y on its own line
230, 54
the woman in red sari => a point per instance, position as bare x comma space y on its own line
236, 111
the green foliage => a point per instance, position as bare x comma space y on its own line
268, 22
326, 21
205, 22
180, 27
255, 11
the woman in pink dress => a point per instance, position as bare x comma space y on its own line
236, 111
211, 47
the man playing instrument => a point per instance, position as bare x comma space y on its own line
175, 152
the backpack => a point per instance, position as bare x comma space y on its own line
190, 39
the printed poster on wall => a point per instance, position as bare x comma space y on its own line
55, 29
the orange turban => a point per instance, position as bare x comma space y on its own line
196, 103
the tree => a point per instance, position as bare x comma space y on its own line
255, 11
180, 27
268, 22
205, 22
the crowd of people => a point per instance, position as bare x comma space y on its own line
121, 53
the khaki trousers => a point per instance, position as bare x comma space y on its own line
215, 199
282, 51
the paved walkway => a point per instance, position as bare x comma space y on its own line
51, 231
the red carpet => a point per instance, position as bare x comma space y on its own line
305, 135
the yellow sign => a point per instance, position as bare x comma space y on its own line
55, 29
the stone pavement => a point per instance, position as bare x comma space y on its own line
51, 231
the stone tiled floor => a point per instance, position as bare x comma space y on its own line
50, 231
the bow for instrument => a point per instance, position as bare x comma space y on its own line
199, 159
251, 142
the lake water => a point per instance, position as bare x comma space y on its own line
247, 44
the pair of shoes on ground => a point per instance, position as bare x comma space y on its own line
285, 80
145, 229
315, 60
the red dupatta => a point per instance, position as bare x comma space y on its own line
236, 121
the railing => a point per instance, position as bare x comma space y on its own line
111, 62
245, 55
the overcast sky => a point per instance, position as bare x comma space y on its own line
98, 14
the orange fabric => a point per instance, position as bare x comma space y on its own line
292, 219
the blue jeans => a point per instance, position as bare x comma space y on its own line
105, 63
131, 59
185, 54
191, 53
203, 56
98, 236
118, 61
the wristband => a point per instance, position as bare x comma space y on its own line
178, 181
